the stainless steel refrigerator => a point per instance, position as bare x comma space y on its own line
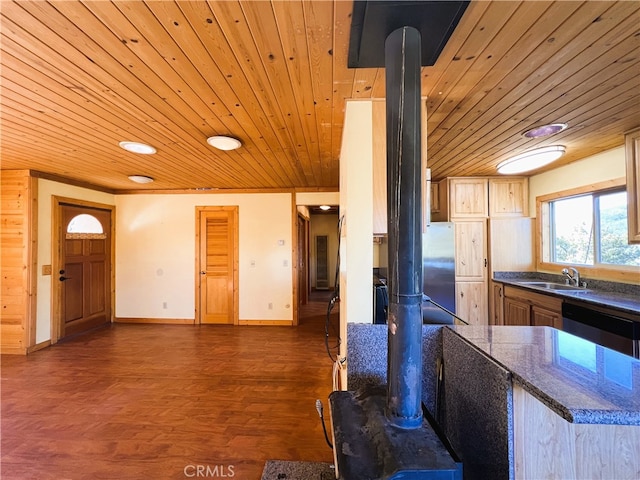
438, 271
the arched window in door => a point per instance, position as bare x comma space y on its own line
85, 226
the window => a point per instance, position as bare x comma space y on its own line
85, 226
591, 229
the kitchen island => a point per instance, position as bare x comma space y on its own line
522, 402
574, 410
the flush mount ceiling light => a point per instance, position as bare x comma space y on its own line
137, 147
545, 130
140, 179
325, 207
222, 142
531, 160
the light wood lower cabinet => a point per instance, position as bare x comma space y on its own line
471, 302
496, 304
524, 307
516, 312
543, 317
547, 446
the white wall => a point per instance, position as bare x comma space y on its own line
356, 204
156, 248
47, 189
318, 198
609, 165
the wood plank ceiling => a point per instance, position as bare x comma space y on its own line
80, 76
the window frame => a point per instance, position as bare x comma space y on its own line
622, 273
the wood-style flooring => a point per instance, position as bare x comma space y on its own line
167, 402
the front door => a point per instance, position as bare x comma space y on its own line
85, 268
217, 265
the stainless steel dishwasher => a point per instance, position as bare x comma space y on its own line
613, 329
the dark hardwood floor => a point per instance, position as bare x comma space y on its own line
161, 402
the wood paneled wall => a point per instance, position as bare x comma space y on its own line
18, 214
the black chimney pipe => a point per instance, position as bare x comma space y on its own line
404, 217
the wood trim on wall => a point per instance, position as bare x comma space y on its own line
624, 274
39, 346
32, 256
270, 323
294, 260
57, 255
18, 260
156, 321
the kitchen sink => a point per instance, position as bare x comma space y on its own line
556, 286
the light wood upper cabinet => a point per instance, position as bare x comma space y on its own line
633, 184
468, 198
475, 197
434, 194
508, 197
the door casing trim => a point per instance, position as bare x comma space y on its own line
57, 255
236, 286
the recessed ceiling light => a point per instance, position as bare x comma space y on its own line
531, 160
222, 142
137, 147
545, 130
140, 179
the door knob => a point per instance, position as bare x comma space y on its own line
62, 279
203, 272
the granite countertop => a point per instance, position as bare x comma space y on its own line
621, 296
579, 380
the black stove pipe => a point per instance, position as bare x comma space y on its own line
404, 217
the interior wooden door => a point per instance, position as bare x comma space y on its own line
303, 260
218, 265
84, 272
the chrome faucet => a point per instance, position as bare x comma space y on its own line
573, 276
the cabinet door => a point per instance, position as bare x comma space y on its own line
516, 312
632, 155
471, 302
508, 197
468, 197
471, 250
543, 317
496, 304
434, 197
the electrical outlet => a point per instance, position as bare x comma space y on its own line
270, 306
164, 305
